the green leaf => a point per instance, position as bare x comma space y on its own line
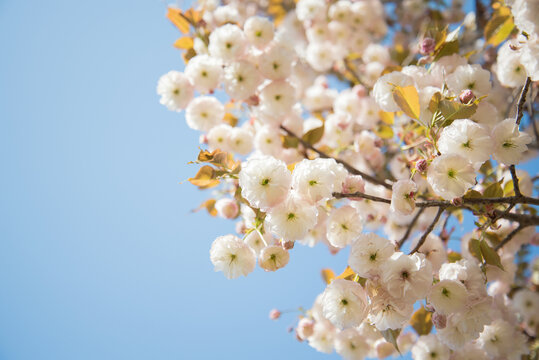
384, 132
313, 136
475, 249
490, 255
290, 142
493, 190
499, 27
453, 256
472, 194
421, 321
452, 110
434, 102
391, 336
448, 48
408, 100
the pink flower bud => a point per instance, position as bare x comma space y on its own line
457, 201
287, 245
274, 314
427, 46
361, 91
203, 139
466, 96
241, 228
305, 328
421, 165
439, 320
254, 100
227, 208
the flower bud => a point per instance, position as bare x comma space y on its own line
241, 228
421, 165
466, 96
439, 320
227, 208
305, 328
457, 201
427, 46
287, 245
203, 139
274, 314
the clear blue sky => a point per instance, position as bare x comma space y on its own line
100, 256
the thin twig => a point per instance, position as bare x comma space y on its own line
363, 196
468, 201
410, 227
348, 167
514, 176
509, 237
429, 230
522, 100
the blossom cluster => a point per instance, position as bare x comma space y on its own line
430, 124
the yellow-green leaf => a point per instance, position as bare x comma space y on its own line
387, 117
408, 100
475, 249
347, 274
205, 178
209, 205
290, 142
421, 321
327, 275
453, 256
490, 255
452, 110
230, 119
383, 131
500, 26
313, 136
391, 336
188, 55
493, 190
185, 43
174, 15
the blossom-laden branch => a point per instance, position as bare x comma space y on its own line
348, 167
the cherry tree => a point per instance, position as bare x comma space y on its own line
374, 125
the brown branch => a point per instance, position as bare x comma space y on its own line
522, 100
467, 201
348, 167
429, 229
515, 181
510, 236
410, 227
363, 196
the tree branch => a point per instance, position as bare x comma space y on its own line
510, 236
410, 227
348, 167
522, 100
429, 229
